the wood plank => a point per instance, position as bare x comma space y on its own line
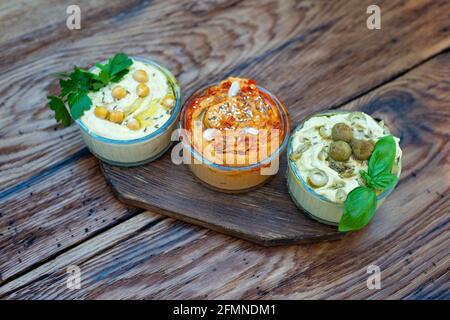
38, 221
19, 17
408, 239
195, 44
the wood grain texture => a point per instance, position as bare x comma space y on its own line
38, 221
266, 216
408, 239
199, 42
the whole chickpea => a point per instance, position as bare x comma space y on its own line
168, 101
133, 124
142, 90
101, 112
119, 92
116, 116
140, 76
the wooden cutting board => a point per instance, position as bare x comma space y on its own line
266, 216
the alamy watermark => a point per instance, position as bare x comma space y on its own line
238, 147
374, 280
73, 21
374, 20
73, 281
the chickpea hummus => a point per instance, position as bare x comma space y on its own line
326, 154
145, 106
131, 121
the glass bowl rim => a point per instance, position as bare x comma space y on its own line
176, 109
284, 115
293, 168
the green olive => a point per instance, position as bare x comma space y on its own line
317, 178
340, 151
362, 149
341, 132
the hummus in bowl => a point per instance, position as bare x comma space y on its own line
233, 132
131, 121
326, 154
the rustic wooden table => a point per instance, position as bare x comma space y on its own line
56, 209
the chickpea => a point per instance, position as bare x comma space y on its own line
342, 132
340, 151
119, 92
362, 149
101, 112
116, 116
133, 124
140, 76
168, 101
142, 90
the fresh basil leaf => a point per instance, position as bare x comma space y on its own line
365, 176
61, 113
383, 181
79, 102
359, 209
383, 156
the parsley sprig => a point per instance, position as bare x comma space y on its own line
361, 202
74, 87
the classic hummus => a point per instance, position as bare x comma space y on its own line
136, 106
131, 121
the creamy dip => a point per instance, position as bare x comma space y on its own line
234, 124
235, 120
150, 112
310, 147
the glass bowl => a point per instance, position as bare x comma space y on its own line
233, 179
138, 151
305, 198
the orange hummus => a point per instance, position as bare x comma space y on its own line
237, 130
234, 123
